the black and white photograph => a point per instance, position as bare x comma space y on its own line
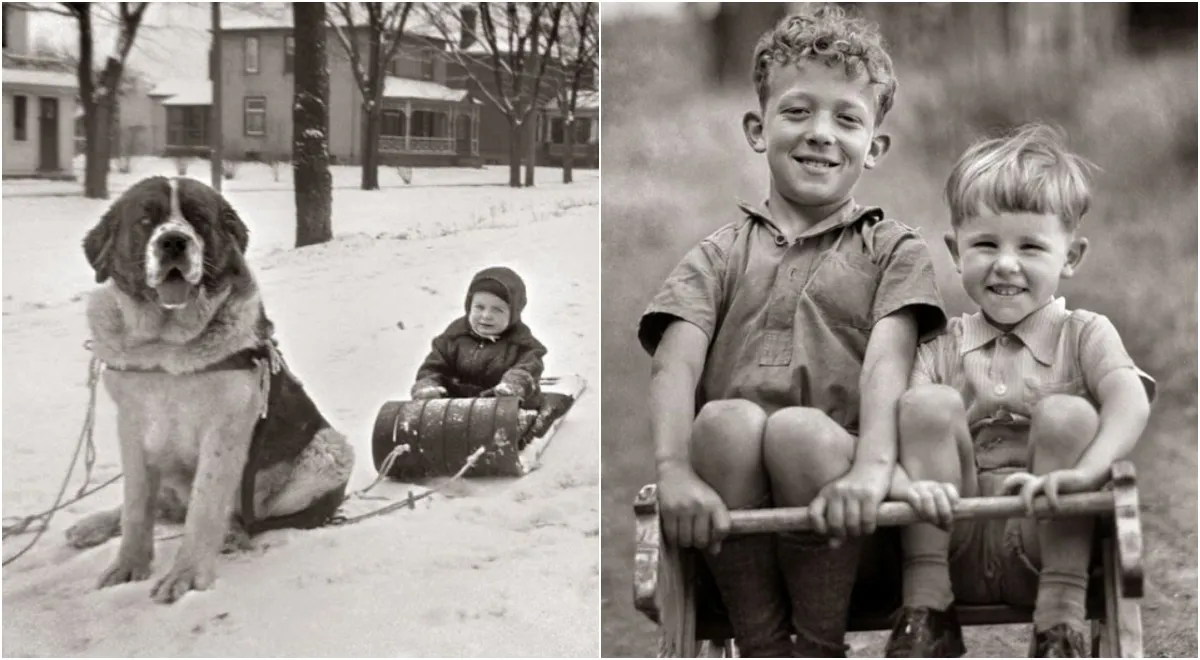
301, 349
899, 329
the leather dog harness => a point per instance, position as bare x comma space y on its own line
286, 424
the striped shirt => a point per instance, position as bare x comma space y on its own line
1003, 375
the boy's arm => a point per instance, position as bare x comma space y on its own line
522, 378
849, 505
1124, 412
693, 513
432, 372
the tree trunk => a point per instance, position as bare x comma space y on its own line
569, 152
95, 182
310, 127
374, 113
514, 152
531, 145
214, 118
372, 122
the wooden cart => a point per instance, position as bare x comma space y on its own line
673, 588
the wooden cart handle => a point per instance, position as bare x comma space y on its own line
899, 514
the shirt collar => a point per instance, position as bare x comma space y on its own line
1038, 331
849, 214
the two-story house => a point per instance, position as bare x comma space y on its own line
39, 106
425, 121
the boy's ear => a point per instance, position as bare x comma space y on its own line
1076, 251
952, 246
752, 124
879, 147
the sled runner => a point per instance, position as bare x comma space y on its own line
673, 588
436, 437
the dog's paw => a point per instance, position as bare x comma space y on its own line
124, 570
179, 581
236, 540
92, 531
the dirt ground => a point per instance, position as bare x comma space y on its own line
674, 162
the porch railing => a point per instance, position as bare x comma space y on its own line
423, 145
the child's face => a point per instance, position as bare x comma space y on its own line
817, 128
489, 315
1011, 263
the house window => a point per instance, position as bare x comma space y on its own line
187, 126
251, 54
429, 124
393, 123
583, 130
6, 24
289, 54
427, 64
255, 111
19, 118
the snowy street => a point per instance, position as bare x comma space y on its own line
491, 567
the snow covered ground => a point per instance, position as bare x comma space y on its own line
489, 568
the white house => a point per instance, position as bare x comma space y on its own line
39, 106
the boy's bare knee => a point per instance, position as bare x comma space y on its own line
931, 407
805, 443
1066, 422
728, 430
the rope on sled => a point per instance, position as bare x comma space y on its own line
86, 445
409, 502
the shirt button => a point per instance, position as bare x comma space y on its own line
1003, 340
780, 241
1000, 390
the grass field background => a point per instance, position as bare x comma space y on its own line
674, 161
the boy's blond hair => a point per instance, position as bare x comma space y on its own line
1028, 171
825, 34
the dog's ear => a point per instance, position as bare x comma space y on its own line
98, 245
233, 224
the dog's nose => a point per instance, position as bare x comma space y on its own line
173, 244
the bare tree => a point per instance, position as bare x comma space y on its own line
216, 135
504, 48
99, 94
310, 127
578, 54
385, 29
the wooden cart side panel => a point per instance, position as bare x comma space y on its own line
1127, 517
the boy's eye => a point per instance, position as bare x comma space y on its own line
796, 112
850, 119
1032, 247
987, 245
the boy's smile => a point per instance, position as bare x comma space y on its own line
1011, 263
817, 128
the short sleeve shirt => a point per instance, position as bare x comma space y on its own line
788, 321
1003, 375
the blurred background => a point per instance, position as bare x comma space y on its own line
1120, 78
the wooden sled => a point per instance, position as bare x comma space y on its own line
436, 437
673, 588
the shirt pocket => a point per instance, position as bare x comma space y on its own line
1040, 389
843, 289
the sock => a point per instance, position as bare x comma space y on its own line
819, 580
747, 576
1062, 598
926, 581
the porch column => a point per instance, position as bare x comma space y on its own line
453, 121
407, 123
474, 130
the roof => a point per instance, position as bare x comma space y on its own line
407, 88
173, 86
279, 17
39, 77
588, 99
198, 94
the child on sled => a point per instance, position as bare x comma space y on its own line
490, 352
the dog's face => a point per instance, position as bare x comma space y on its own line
164, 240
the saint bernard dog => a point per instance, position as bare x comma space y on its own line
215, 432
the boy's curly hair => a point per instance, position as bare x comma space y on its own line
1027, 171
826, 34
